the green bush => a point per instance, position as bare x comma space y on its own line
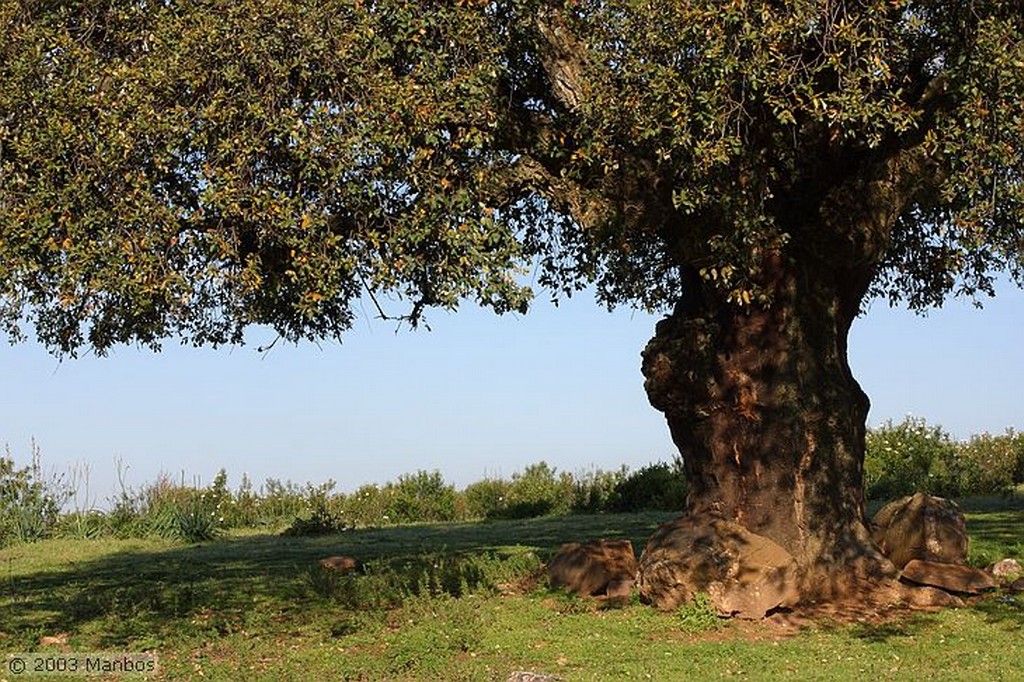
244, 508
596, 490
29, 504
84, 525
486, 499
660, 486
539, 491
908, 457
991, 463
322, 512
367, 507
283, 501
421, 497
170, 510
914, 457
1016, 441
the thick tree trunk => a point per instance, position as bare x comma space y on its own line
770, 421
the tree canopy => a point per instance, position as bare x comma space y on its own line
192, 167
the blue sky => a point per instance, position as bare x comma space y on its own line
478, 395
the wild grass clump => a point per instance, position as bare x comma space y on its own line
391, 583
30, 501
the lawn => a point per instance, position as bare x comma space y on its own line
460, 602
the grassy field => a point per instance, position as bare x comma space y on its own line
460, 602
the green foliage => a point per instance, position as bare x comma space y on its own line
906, 458
30, 504
269, 162
993, 462
166, 509
539, 490
368, 506
700, 616
656, 486
596, 490
487, 498
423, 496
319, 517
912, 456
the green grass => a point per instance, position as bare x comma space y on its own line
458, 602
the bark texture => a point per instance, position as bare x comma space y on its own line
770, 421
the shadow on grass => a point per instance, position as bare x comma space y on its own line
141, 598
887, 631
131, 598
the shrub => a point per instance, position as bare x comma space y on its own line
1016, 441
283, 501
320, 521
909, 457
84, 525
486, 499
423, 496
990, 463
244, 508
367, 507
658, 486
539, 491
170, 510
596, 491
29, 504
914, 457
321, 512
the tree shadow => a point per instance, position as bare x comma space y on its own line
125, 596
883, 632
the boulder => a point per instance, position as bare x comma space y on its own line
594, 568
949, 577
744, 574
921, 527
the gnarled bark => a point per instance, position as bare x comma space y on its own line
770, 421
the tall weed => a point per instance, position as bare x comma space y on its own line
30, 500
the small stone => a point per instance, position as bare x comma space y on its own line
342, 564
526, 676
60, 639
1006, 570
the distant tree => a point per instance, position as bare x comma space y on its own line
188, 168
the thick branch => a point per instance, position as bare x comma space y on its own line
563, 57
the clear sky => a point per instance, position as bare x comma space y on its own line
478, 395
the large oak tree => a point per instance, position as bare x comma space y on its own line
760, 169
